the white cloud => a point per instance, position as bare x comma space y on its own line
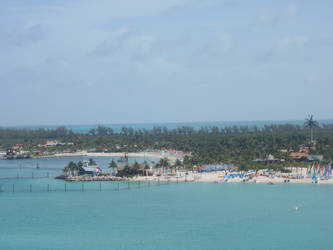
273, 16
292, 42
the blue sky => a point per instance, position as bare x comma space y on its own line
81, 61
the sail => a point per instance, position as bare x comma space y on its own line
313, 172
318, 173
329, 170
308, 169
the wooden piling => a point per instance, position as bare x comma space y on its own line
82, 187
100, 187
30, 188
13, 188
118, 187
128, 184
65, 187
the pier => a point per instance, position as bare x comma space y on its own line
80, 186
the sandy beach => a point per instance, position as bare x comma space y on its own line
216, 177
170, 155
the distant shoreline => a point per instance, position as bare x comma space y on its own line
84, 128
171, 156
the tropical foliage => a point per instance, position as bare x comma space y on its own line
238, 144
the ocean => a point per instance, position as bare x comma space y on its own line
175, 216
172, 125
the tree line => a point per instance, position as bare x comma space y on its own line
208, 145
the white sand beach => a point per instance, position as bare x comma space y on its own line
217, 178
172, 156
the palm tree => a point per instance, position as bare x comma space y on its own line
311, 123
92, 162
164, 162
113, 164
71, 168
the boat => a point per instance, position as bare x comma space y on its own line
123, 158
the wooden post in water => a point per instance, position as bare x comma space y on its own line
118, 187
65, 187
48, 187
47, 175
100, 187
13, 188
128, 183
30, 188
82, 187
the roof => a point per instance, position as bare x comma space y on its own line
298, 155
270, 157
92, 169
315, 157
121, 167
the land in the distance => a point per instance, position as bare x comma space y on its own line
269, 147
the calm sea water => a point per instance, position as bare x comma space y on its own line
195, 125
174, 216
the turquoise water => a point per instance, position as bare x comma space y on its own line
174, 216
174, 125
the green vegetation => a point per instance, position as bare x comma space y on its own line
72, 168
311, 124
113, 164
236, 145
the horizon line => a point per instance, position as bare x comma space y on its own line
152, 123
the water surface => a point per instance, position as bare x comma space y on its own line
175, 216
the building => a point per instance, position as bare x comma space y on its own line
90, 169
298, 156
315, 158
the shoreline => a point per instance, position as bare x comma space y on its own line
171, 156
213, 177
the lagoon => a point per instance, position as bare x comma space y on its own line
174, 216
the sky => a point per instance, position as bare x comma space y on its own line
129, 61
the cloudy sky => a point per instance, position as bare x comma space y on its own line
110, 61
